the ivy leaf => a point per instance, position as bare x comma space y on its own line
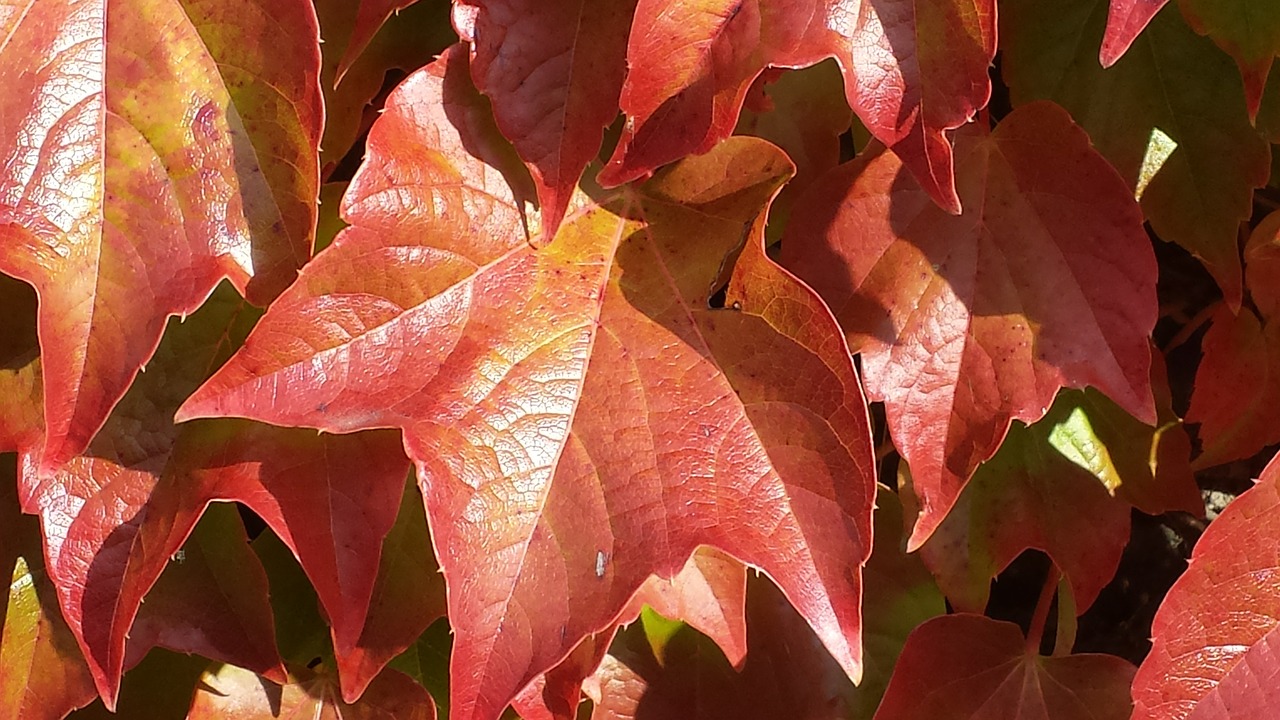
967, 323
581, 417
1028, 496
787, 672
1249, 31
965, 666
1213, 653
21, 406
44, 676
553, 69
408, 596
230, 692
113, 518
405, 42
912, 70
709, 594
1169, 116
369, 18
211, 600
147, 156
1126, 19
1236, 398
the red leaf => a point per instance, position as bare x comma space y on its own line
1247, 31
138, 175
408, 596
967, 323
368, 20
211, 600
787, 673
44, 676
553, 69
1236, 399
547, 395
968, 666
229, 693
1028, 496
1125, 20
1213, 648
709, 594
1170, 117
913, 70
113, 518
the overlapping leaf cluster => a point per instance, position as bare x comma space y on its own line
573, 403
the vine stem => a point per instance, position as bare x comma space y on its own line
1036, 631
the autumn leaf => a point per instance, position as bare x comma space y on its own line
1169, 116
1028, 496
967, 323
370, 16
1236, 397
44, 676
709, 594
408, 596
229, 692
553, 70
1213, 653
150, 150
965, 666
352, 79
113, 518
912, 71
787, 672
581, 417
1125, 20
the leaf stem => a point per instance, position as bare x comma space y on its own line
1036, 631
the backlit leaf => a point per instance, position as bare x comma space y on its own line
580, 415
229, 693
1213, 653
150, 148
968, 322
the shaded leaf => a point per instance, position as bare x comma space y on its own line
369, 18
1169, 116
1214, 636
43, 676
148, 154
1028, 496
21, 405
966, 666
787, 672
709, 594
913, 70
1248, 30
553, 69
967, 323
158, 688
408, 596
211, 600
548, 395
1236, 398
406, 42
229, 693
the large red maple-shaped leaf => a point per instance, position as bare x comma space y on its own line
967, 323
913, 70
1216, 636
959, 667
553, 69
148, 150
580, 416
